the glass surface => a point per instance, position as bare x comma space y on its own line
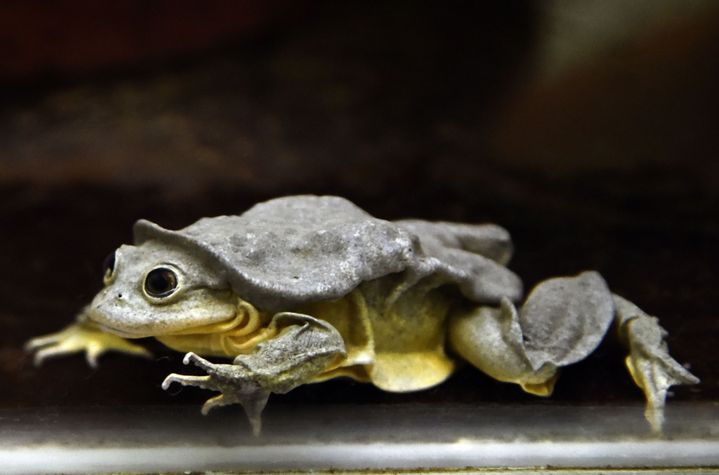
407, 436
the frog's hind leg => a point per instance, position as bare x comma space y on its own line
649, 363
563, 321
491, 339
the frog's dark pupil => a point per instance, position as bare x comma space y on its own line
160, 282
108, 265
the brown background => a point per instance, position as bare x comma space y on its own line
588, 129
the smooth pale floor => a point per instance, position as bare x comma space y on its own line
360, 437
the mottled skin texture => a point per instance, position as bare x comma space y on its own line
303, 289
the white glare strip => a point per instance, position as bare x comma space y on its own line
461, 454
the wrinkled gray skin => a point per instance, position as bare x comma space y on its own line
292, 251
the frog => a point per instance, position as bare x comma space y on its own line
303, 289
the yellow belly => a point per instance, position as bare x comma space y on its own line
398, 348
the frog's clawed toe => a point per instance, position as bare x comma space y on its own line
213, 402
209, 381
197, 360
234, 388
253, 404
187, 380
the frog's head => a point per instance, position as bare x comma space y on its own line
158, 288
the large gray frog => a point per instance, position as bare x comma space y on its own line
302, 289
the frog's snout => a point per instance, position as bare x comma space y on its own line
112, 310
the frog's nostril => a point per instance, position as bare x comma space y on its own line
119, 296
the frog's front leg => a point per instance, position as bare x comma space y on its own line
81, 336
303, 348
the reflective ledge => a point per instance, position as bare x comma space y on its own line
402, 437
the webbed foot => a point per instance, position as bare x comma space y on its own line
80, 337
649, 362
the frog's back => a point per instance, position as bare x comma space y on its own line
299, 249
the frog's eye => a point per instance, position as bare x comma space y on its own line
108, 268
160, 282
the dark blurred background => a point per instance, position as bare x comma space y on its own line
587, 128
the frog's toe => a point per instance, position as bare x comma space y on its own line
92, 354
41, 341
204, 382
198, 361
51, 351
95, 349
214, 402
253, 403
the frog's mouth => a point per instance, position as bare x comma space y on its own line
242, 322
116, 331
93, 314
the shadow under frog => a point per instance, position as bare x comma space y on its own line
302, 289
